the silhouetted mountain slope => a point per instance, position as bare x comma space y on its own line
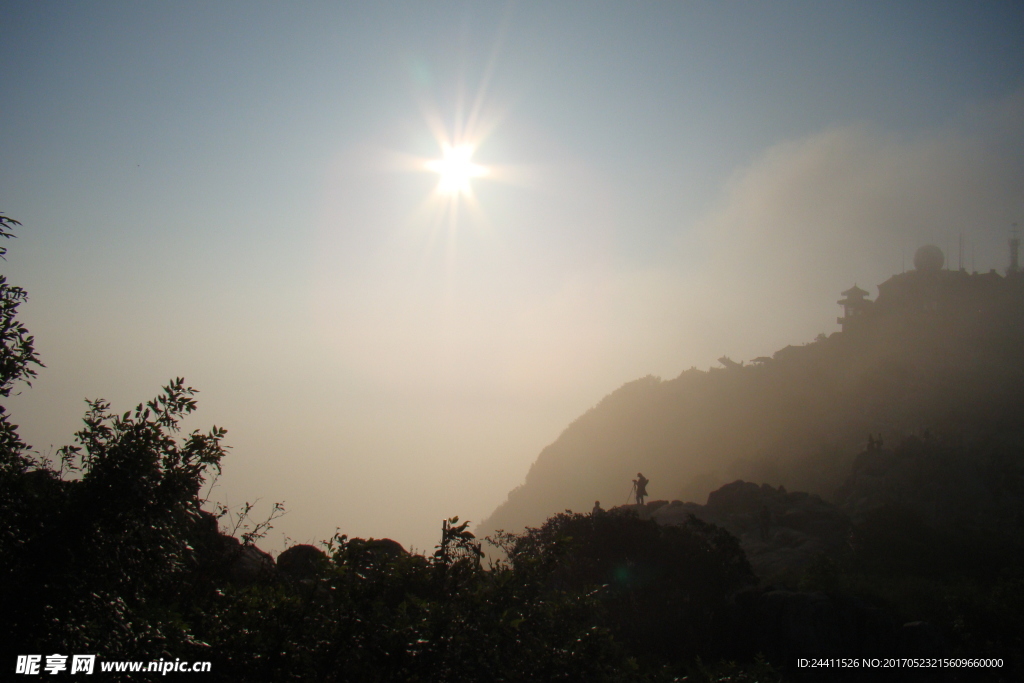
939, 350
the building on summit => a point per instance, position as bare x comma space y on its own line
932, 294
854, 306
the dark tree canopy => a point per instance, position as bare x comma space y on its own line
18, 358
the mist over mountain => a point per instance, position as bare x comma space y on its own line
938, 352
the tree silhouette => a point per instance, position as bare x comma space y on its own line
18, 358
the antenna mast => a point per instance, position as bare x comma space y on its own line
1014, 251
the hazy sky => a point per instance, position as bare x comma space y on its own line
234, 192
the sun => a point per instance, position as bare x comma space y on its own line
456, 170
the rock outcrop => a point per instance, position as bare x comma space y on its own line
301, 562
782, 533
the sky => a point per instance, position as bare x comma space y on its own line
239, 193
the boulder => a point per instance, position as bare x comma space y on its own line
247, 564
301, 562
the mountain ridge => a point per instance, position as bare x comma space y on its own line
938, 350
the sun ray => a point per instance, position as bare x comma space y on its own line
453, 207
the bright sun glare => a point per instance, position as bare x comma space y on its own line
456, 170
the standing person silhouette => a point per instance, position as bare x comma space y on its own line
641, 487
